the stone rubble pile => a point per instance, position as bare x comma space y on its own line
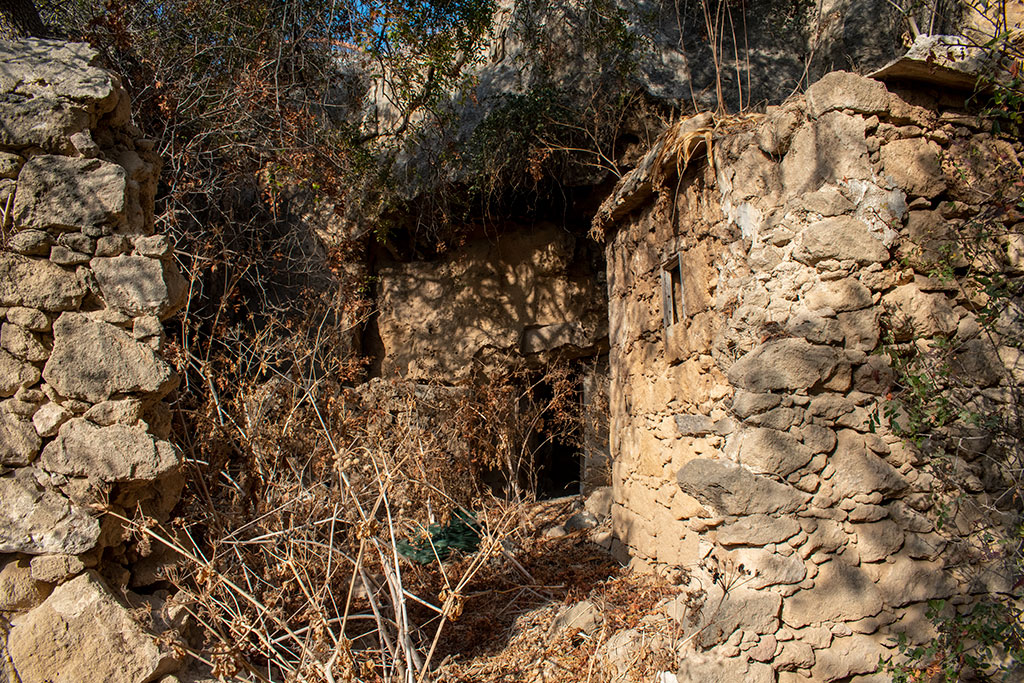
85, 286
752, 454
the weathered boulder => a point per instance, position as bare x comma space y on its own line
82, 634
69, 193
767, 568
844, 90
14, 374
769, 451
55, 568
19, 442
840, 238
878, 540
826, 152
841, 593
847, 294
854, 654
859, 471
39, 520
138, 285
733, 490
739, 608
111, 454
38, 284
905, 581
757, 530
22, 344
784, 364
93, 361
19, 590
913, 165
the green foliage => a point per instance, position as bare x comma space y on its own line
986, 638
462, 533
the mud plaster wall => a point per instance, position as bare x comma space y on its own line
85, 286
521, 295
742, 436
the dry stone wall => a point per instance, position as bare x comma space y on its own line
85, 286
750, 300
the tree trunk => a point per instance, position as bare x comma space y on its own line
20, 18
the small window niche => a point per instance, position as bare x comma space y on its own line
673, 307
673, 302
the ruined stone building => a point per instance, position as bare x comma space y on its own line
740, 318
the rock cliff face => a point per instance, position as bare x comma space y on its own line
85, 286
750, 301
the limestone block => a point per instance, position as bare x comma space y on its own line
10, 164
795, 654
714, 667
45, 122
740, 608
826, 151
29, 318
847, 294
94, 360
841, 592
21, 343
769, 451
746, 403
82, 634
779, 419
114, 453
841, 238
48, 419
814, 327
31, 243
861, 329
69, 193
15, 374
38, 284
844, 90
783, 364
19, 442
855, 654
817, 438
138, 285
52, 68
913, 165
920, 314
859, 471
905, 581
767, 568
878, 540
18, 589
757, 530
55, 568
38, 520
733, 490
875, 376
154, 246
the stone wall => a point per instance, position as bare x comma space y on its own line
526, 294
750, 300
85, 286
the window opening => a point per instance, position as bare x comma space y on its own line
673, 302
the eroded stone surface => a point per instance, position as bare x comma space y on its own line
94, 361
38, 284
786, 364
38, 520
140, 286
730, 489
114, 453
69, 193
81, 634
